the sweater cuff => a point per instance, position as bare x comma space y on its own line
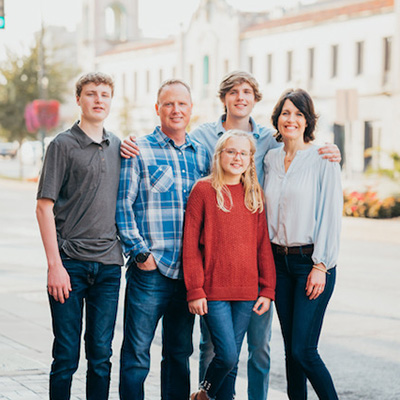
267, 292
195, 294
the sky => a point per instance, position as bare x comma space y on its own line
157, 18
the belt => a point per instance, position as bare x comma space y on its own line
285, 250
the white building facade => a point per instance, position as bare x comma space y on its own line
346, 53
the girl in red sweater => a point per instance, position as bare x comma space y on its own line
228, 264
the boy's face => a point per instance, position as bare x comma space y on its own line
95, 102
240, 101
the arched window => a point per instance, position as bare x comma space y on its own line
116, 26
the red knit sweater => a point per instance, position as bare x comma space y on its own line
226, 255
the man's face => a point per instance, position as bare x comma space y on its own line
174, 107
239, 101
95, 102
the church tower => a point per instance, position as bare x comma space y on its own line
105, 24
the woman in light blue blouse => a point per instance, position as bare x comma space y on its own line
304, 207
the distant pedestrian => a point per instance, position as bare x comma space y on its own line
76, 202
227, 259
304, 207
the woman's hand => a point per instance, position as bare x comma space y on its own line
198, 306
129, 148
316, 282
262, 305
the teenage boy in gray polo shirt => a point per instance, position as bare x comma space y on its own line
76, 204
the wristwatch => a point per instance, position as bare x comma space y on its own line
142, 257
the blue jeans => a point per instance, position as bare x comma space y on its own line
97, 286
301, 322
258, 364
150, 296
227, 322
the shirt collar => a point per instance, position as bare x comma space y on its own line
163, 140
84, 140
221, 130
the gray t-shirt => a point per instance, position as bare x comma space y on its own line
82, 178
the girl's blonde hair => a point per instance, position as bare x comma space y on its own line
253, 197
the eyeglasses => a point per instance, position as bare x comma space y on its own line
233, 153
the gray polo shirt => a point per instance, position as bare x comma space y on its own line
82, 177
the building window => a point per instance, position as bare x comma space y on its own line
269, 68
311, 56
135, 88
206, 70
123, 84
226, 67
334, 58
147, 81
359, 58
289, 74
191, 75
251, 64
387, 58
160, 76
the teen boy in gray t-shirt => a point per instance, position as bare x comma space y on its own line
76, 204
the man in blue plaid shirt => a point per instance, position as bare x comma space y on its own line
153, 191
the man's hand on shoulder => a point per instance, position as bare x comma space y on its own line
331, 152
129, 148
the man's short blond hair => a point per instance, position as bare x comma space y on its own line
170, 82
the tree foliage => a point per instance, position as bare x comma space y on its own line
19, 85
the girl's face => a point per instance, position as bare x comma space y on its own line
291, 122
235, 158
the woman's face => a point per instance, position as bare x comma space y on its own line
235, 158
291, 122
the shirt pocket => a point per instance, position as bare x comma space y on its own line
161, 178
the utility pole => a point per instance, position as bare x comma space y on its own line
42, 81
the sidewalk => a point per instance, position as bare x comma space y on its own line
360, 340
25, 346
25, 325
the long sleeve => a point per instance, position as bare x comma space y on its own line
129, 182
266, 264
304, 205
328, 216
193, 269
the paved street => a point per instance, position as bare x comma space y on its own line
360, 341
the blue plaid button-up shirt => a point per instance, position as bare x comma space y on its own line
153, 191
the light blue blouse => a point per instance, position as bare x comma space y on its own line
304, 205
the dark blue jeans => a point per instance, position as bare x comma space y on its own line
301, 322
97, 286
227, 322
149, 297
258, 363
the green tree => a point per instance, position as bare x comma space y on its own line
19, 85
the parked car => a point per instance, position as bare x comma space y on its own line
8, 149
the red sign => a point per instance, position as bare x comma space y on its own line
41, 114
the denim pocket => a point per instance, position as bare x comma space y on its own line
161, 178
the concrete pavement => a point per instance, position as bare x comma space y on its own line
25, 325
360, 341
